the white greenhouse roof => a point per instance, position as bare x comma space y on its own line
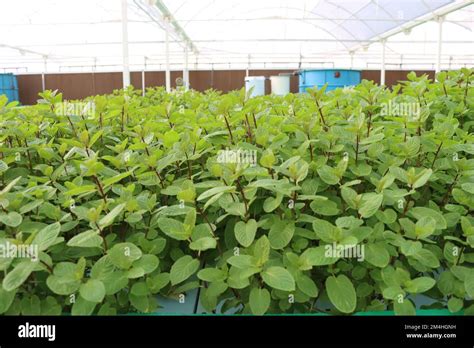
69, 36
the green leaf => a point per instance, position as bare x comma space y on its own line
6, 299
147, 262
271, 203
66, 277
3, 166
214, 191
341, 293
307, 286
158, 282
261, 250
93, 290
79, 190
393, 292
12, 219
18, 275
174, 228
83, 307
10, 185
278, 278
204, 243
405, 307
46, 237
123, 255
245, 232
455, 304
420, 212
183, 268
419, 285
377, 255
88, 239
469, 283
109, 218
211, 275
324, 207
326, 231
62, 285
426, 258
114, 179
371, 203
328, 175
242, 261
318, 256
425, 227
350, 196
422, 178
281, 234
259, 301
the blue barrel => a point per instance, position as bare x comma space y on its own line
9, 86
335, 78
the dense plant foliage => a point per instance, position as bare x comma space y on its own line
242, 198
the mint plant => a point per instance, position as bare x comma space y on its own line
348, 201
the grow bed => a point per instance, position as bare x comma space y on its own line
361, 198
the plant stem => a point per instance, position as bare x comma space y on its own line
100, 187
103, 236
357, 148
228, 128
436, 155
448, 192
239, 187
321, 114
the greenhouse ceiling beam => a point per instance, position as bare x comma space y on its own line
223, 19
165, 22
281, 18
22, 50
147, 42
175, 25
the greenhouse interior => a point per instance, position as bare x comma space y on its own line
268, 157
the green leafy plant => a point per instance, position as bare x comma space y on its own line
354, 200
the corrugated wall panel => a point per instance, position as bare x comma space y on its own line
81, 85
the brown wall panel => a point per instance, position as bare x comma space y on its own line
393, 77
105, 82
73, 86
200, 80
81, 85
28, 88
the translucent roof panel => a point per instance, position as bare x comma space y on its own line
67, 35
362, 20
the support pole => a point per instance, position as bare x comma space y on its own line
248, 66
167, 53
440, 44
382, 67
126, 65
143, 77
45, 69
185, 69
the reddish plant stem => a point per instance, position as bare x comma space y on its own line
228, 128
100, 187
103, 236
239, 187
436, 155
